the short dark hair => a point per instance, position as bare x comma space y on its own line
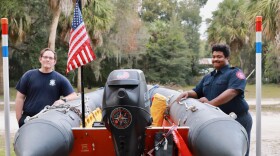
48, 49
221, 47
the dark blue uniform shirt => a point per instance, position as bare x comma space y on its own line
42, 89
215, 83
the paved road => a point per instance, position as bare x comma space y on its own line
13, 122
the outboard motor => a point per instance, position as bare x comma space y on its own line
126, 110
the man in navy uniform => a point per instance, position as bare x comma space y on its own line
38, 88
224, 88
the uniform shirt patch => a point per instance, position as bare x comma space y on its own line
52, 82
240, 75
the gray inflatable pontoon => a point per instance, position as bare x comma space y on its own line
211, 133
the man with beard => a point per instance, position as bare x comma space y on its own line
224, 88
38, 88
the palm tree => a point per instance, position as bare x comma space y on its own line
228, 26
99, 17
269, 10
19, 25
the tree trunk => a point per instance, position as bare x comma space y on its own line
53, 28
79, 87
241, 62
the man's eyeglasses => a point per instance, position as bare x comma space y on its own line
47, 57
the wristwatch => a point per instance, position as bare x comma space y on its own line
64, 99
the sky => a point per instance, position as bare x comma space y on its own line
206, 12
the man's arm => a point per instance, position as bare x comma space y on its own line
19, 101
70, 97
186, 94
225, 97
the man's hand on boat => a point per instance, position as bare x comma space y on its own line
70, 97
191, 94
186, 94
59, 102
204, 100
182, 96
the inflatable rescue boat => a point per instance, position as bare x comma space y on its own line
127, 118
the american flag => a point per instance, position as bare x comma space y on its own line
80, 51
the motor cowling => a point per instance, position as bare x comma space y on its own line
126, 110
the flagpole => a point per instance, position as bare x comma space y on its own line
258, 83
82, 83
80, 51
5, 55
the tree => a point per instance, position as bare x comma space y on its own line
157, 10
269, 10
57, 6
121, 42
97, 16
228, 26
272, 67
188, 14
19, 25
167, 57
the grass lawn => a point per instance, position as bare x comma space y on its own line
268, 90
2, 145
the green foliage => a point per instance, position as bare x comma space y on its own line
190, 19
188, 12
228, 26
3, 142
121, 46
272, 65
157, 10
178, 26
202, 2
24, 55
98, 16
234, 23
269, 10
19, 20
167, 57
248, 55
